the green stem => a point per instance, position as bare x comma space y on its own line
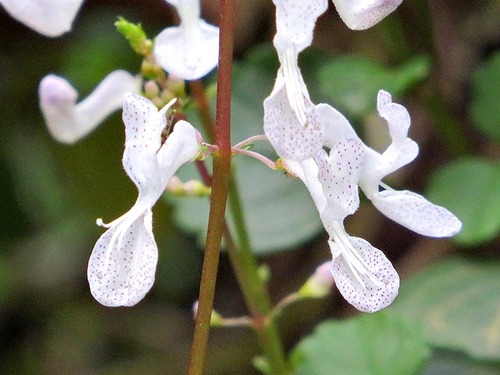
221, 176
254, 290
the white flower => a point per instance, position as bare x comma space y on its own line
122, 266
67, 121
362, 273
362, 14
191, 50
48, 17
291, 122
405, 207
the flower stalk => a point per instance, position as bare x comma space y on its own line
221, 176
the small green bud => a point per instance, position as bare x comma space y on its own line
319, 284
264, 273
135, 36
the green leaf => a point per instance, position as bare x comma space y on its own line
452, 363
458, 305
352, 82
371, 344
279, 211
470, 189
485, 110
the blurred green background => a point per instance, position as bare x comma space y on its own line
438, 57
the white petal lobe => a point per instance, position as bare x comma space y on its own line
416, 213
122, 265
290, 138
366, 295
49, 17
68, 121
362, 14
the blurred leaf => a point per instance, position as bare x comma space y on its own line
485, 110
279, 212
458, 305
352, 82
470, 188
445, 363
371, 344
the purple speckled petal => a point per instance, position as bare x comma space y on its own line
295, 21
370, 290
122, 266
290, 138
416, 213
339, 174
362, 14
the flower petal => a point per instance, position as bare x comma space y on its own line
339, 174
48, 17
295, 21
307, 171
362, 14
122, 266
290, 138
416, 213
397, 117
335, 126
181, 146
67, 121
143, 127
184, 58
370, 291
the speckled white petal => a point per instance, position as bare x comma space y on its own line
362, 14
48, 17
339, 174
67, 121
122, 266
295, 21
367, 295
143, 127
416, 213
290, 138
185, 59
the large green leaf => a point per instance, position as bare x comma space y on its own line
470, 188
457, 302
485, 110
371, 344
278, 209
352, 82
452, 363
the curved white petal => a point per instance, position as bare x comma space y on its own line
67, 121
181, 146
188, 54
307, 171
416, 213
143, 127
48, 17
122, 266
363, 275
339, 174
397, 117
295, 21
290, 137
362, 14
400, 152
335, 126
